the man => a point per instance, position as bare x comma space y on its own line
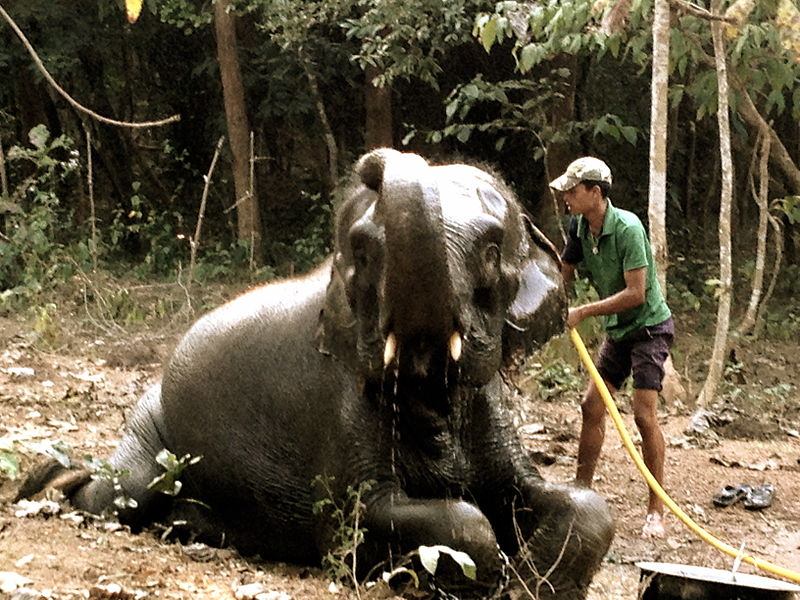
613, 247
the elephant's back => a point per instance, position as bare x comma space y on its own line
228, 395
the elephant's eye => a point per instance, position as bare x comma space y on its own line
364, 244
364, 251
490, 262
360, 256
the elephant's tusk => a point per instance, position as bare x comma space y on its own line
455, 346
389, 349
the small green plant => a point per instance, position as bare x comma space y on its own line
54, 449
11, 450
102, 470
46, 327
32, 247
168, 482
780, 391
9, 460
733, 368
158, 228
429, 558
340, 562
311, 248
782, 323
556, 379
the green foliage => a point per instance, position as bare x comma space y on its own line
9, 460
789, 206
102, 470
32, 252
521, 107
544, 30
183, 14
168, 482
55, 449
429, 557
406, 39
780, 391
314, 245
783, 323
46, 327
10, 450
345, 515
556, 379
154, 227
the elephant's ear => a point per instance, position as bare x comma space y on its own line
539, 310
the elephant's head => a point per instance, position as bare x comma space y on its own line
437, 271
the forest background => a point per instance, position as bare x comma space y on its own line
264, 104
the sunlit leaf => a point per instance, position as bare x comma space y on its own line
739, 11
56, 450
531, 55
38, 136
463, 134
133, 9
429, 557
788, 23
9, 464
489, 34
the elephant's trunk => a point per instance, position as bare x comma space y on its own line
418, 289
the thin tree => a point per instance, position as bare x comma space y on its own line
248, 217
378, 108
657, 195
777, 228
761, 198
708, 393
657, 200
322, 114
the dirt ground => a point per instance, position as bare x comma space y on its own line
77, 392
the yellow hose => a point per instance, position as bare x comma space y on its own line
654, 485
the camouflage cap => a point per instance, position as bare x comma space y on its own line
587, 168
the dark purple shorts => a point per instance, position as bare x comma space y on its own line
642, 351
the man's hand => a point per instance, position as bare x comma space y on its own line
574, 316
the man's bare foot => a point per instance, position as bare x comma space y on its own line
654, 526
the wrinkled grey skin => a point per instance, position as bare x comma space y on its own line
294, 380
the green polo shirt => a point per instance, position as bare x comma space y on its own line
622, 246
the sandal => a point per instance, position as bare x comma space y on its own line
731, 494
759, 497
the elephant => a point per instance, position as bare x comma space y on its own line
383, 370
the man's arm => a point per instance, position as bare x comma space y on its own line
633, 295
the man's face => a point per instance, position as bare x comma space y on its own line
580, 199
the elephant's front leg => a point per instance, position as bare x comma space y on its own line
562, 533
408, 523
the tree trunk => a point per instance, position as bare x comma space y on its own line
657, 211
322, 115
248, 216
557, 155
378, 106
708, 393
762, 200
775, 223
673, 389
778, 153
3, 189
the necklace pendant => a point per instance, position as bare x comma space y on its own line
595, 250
